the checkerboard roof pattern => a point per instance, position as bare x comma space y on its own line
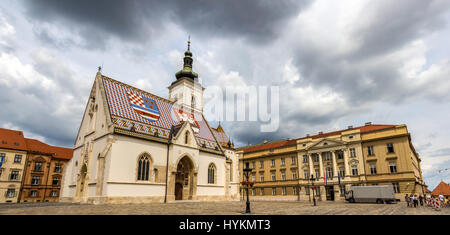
119, 106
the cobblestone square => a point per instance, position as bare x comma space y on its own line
219, 208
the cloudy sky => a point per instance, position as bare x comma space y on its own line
337, 63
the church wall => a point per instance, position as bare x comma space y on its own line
125, 153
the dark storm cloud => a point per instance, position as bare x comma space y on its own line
139, 21
367, 73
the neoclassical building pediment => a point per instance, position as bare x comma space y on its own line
326, 143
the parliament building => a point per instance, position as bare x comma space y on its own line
360, 156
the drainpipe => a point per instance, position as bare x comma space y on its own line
169, 141
48, 175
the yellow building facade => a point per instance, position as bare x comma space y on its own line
365, 155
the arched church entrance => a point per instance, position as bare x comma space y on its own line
184, 180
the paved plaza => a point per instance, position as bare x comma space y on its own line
219, 208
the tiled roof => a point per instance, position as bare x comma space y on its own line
125, 116
277, 144
271, 145
16, 140
11, 139
442, 189
56, 152
221, 136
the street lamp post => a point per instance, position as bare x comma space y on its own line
246, 173
313, 189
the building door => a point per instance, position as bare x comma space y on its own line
178, 191
330, 193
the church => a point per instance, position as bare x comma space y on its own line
135, 147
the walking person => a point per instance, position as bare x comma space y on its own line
416, 202
421, 200
407, 200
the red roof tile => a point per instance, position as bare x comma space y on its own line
272, 145
10, 139
57, 152
442, 189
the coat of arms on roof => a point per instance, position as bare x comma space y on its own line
144, 106
185, 116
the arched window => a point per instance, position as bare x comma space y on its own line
193, 102
211, 174
186, 137
143, 167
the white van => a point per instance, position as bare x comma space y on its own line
374, 194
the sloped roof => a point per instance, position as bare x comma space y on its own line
277, 144
125, 116
11, 139
57, 152
442, 189
16, 140
271, 145
221, 136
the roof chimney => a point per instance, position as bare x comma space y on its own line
320, 132
307, 135
368, 123
265, 142
349, 127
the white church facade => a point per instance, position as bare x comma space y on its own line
135, 147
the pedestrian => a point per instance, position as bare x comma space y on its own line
407, 200
416, 202
421, 200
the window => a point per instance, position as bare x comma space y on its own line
283, 162
57, 168
261, 177
293, 160
393, 167
342, 172
317, 173
354, 170
274, 178
33, 193
143, 167
390, 148
54, 194
11, 193
18, 158
317, 191
283, 191
35, 180
253, 192
340, 155
307, 190
38, 166
1, 170
316, 158
283, 175
352, 152
262, 191
329, 173
193, 101
273, 162
186, 138
294, 175
305, 158
253, 177
370, 151
327, 156
211, 174
274, 191
55, 181
396, 187
373, 169
14, 175
306, 174
294, 189
261, 164
253, 165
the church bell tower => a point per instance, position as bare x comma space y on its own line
186, 91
